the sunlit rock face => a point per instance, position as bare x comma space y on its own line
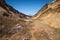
45, 25
51, 16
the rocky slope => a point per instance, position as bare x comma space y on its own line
45, 25
10, 10
11, 21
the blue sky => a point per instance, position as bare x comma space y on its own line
29, 7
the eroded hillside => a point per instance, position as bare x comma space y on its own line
45, 25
